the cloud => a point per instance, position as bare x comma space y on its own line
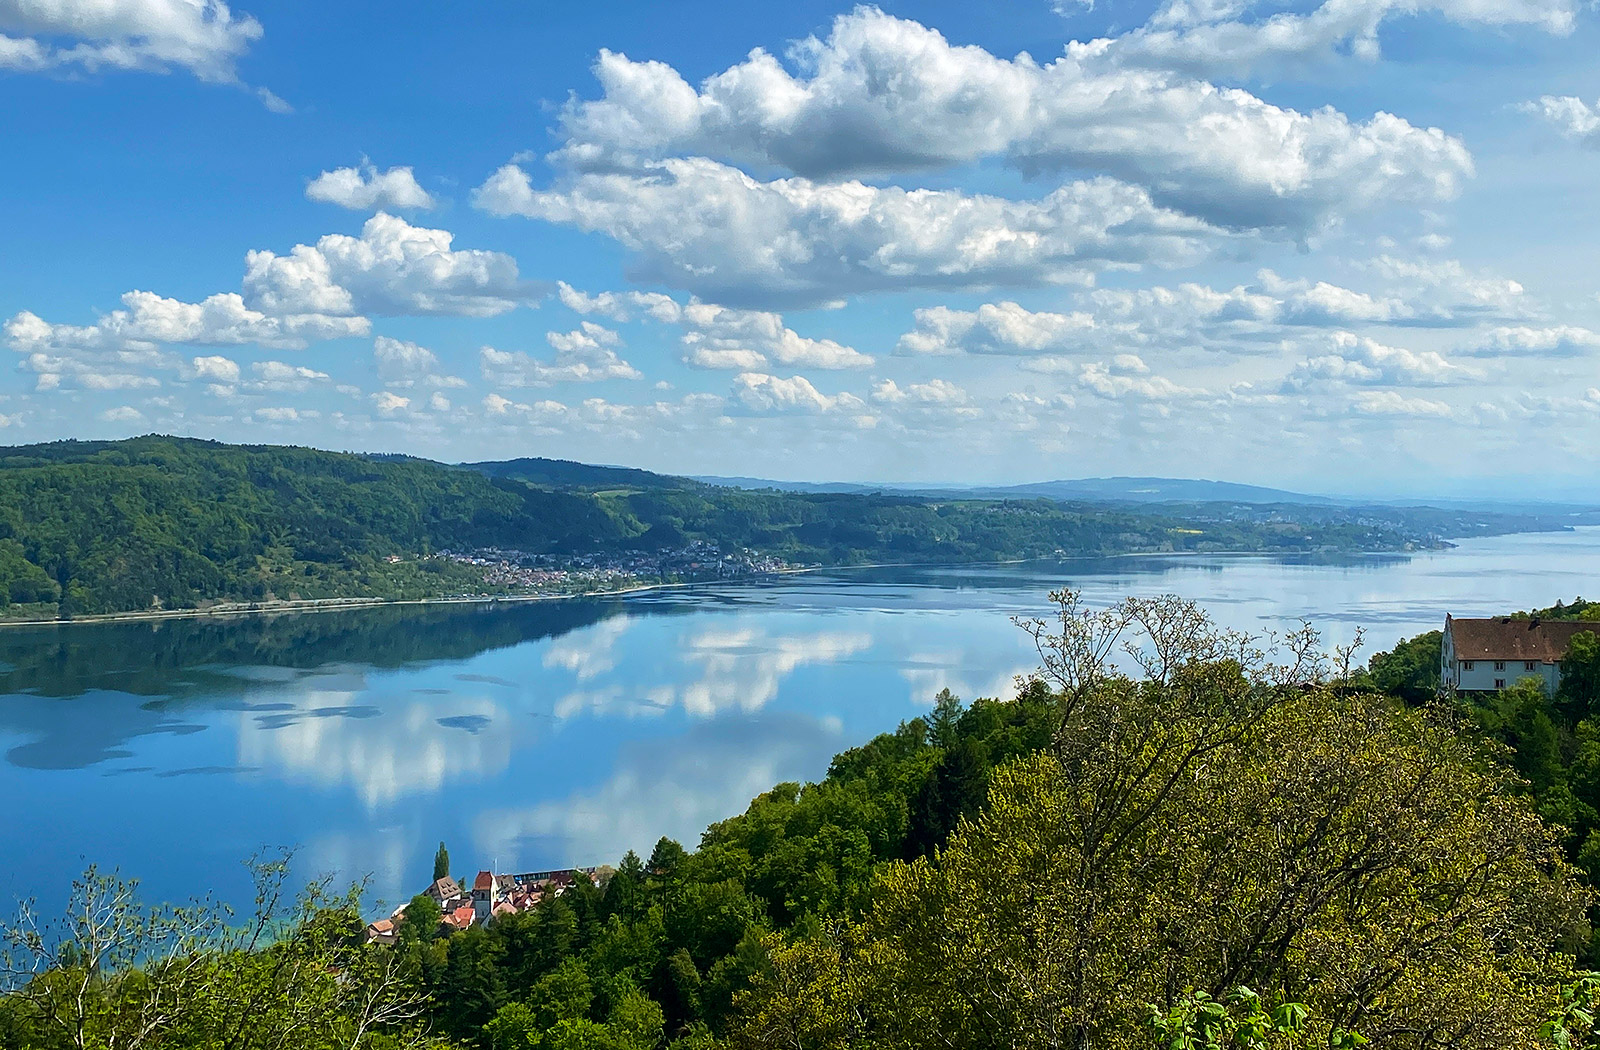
720, 337
582, 356
933, 392
393, 268
995, 328
715, 231
148, 320
1574, 118
766, 393
281, 415
1127, 378
387, 402
156, 36
216, 369
405, 364
1439, 294
620, 306
723, 337
1358, 361
122, 414
367, 189
1524, 341
1220, 37
1442, 290
312, 294
1392, 403
276, 377
883, 94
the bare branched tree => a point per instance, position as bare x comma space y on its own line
115, 974
1075, 650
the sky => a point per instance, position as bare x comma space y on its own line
1345, 247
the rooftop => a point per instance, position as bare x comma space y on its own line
1508, 638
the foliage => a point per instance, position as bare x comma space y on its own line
1409, 671
116, 973
1580, 675
1238, 1021
1552, 742
1211, 826
441, 863
166, 523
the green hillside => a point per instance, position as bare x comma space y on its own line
161, 522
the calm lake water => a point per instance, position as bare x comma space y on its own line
541, 735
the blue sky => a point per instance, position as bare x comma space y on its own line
1345, 247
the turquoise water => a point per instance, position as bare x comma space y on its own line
535, 736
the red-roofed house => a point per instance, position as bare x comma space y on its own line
1485, 656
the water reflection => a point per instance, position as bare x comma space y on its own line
384, 746
710, 772
561, 733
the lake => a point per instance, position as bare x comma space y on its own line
541, 735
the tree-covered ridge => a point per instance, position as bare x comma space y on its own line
166, 523
1240, 846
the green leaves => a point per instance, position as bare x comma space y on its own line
1238, 1022
1572, 1024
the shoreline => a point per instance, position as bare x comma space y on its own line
314, 605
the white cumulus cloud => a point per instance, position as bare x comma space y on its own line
393, 268
768, 393
368, 189
882, 94
202, 36
715, 231
582, 356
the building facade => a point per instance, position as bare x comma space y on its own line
1487, 655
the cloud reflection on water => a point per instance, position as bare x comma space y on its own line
398, 747
655, 788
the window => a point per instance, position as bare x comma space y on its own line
1499, 665
1499, 683
1466, 665
1530, 665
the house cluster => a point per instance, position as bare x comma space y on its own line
491, 897
504, 567
1487, 655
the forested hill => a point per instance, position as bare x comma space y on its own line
162, 522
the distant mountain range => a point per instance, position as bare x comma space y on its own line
1086, 490
1158, 490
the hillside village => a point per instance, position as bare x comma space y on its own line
491, 897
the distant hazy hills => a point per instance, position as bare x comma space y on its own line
1088, 490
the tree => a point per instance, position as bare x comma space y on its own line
1225, 822
1520, 718
1580, 674
1045, 913
624, 894
944, 718
1410, 671
441, 863
420, 921
1238, 1021
665, 859
115, 972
